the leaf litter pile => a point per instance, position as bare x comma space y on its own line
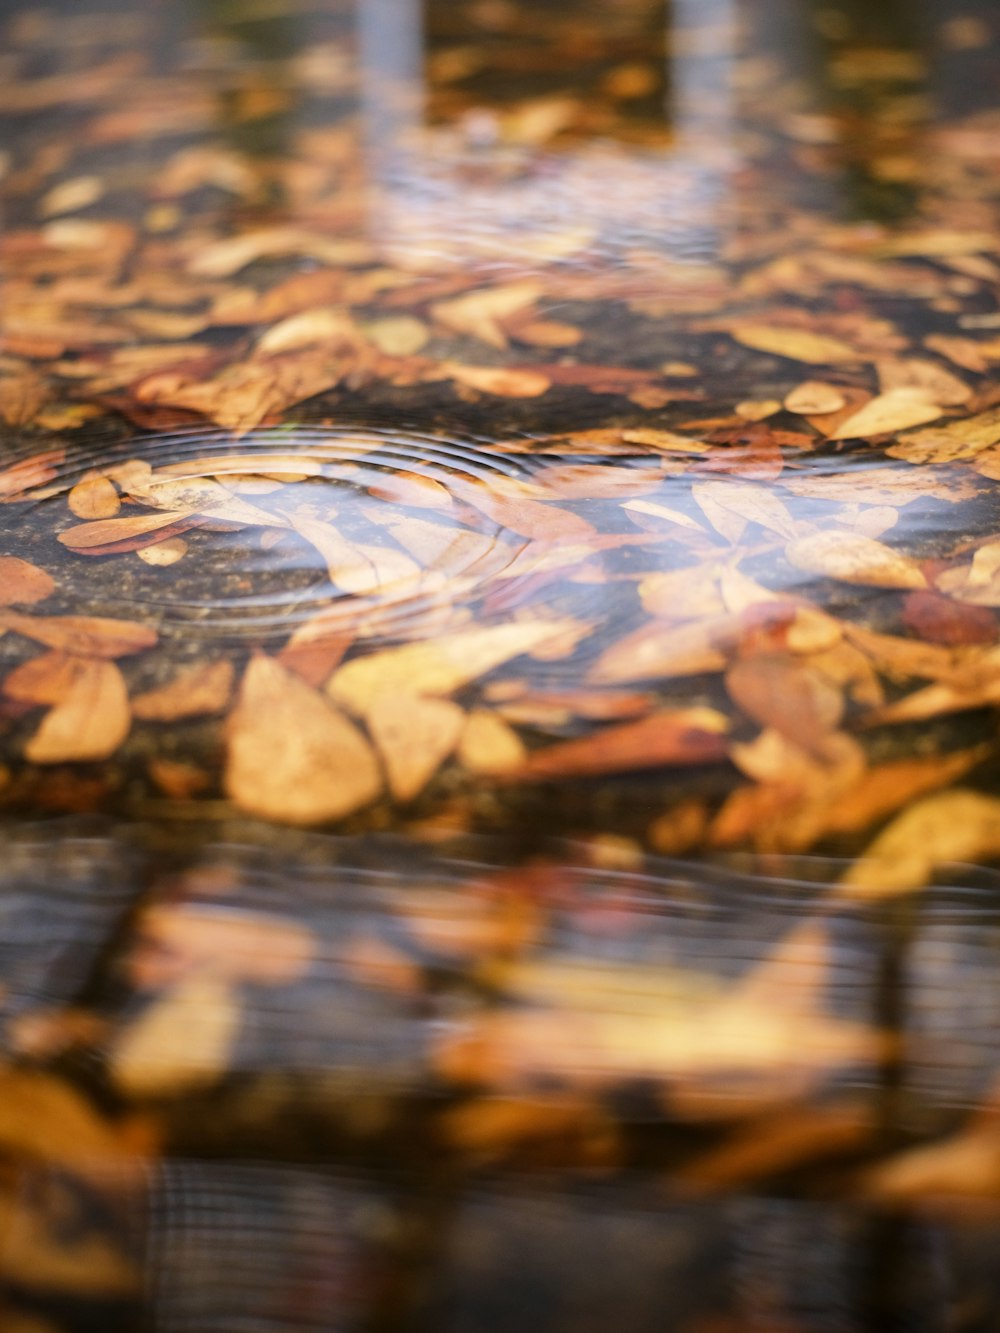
499, 670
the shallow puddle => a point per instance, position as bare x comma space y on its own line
499, 574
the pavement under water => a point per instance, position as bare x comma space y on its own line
499, 572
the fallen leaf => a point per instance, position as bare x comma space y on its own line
959, 825
22, 396
796, 344
730, 505
895, 410
439, 666
951, 441
163, 554
176, 939
196, 691
45, 679
22, 583
488, 745
682, 736
480, 312
110, 531
784, 693
414, 736
505, 382
94, 497
88, 723
291, 755
814, 398
87, 636
854, 558
180, 1043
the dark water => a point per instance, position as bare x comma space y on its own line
499, 571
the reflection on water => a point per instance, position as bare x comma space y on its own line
498, 638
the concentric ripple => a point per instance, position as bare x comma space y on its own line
367, 529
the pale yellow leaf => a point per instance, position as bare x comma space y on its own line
414, 736
853, 558
181, 1043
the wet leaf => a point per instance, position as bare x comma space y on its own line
684, 736
94, 497
814, 398
438, 666
88, 723
481, 312
958, 825
22, 396
182, 1042
795, 344
22, 583
854, 558
414, 736
488, 745
729, 506
110, 531
292, 756
505, 382
895, 410
196, 691
950, 441
44, 680
785, 694
87, 636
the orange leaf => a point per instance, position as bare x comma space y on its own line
88, 723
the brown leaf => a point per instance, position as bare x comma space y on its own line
684, 736
783, 693
291, 755
854, 558
111, 531
87, 636
927, 377
883, 486
940, 620
414, 737
44, 680
21, 478
195, 691
23, 583
88, 723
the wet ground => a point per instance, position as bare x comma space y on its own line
499, 573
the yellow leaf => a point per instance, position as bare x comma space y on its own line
489, 745
291, 755
478, 312
814, 398
896, 410
854, 558
438, 666
414, 737
730, 505
796, 344
960, 825
181, 1043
